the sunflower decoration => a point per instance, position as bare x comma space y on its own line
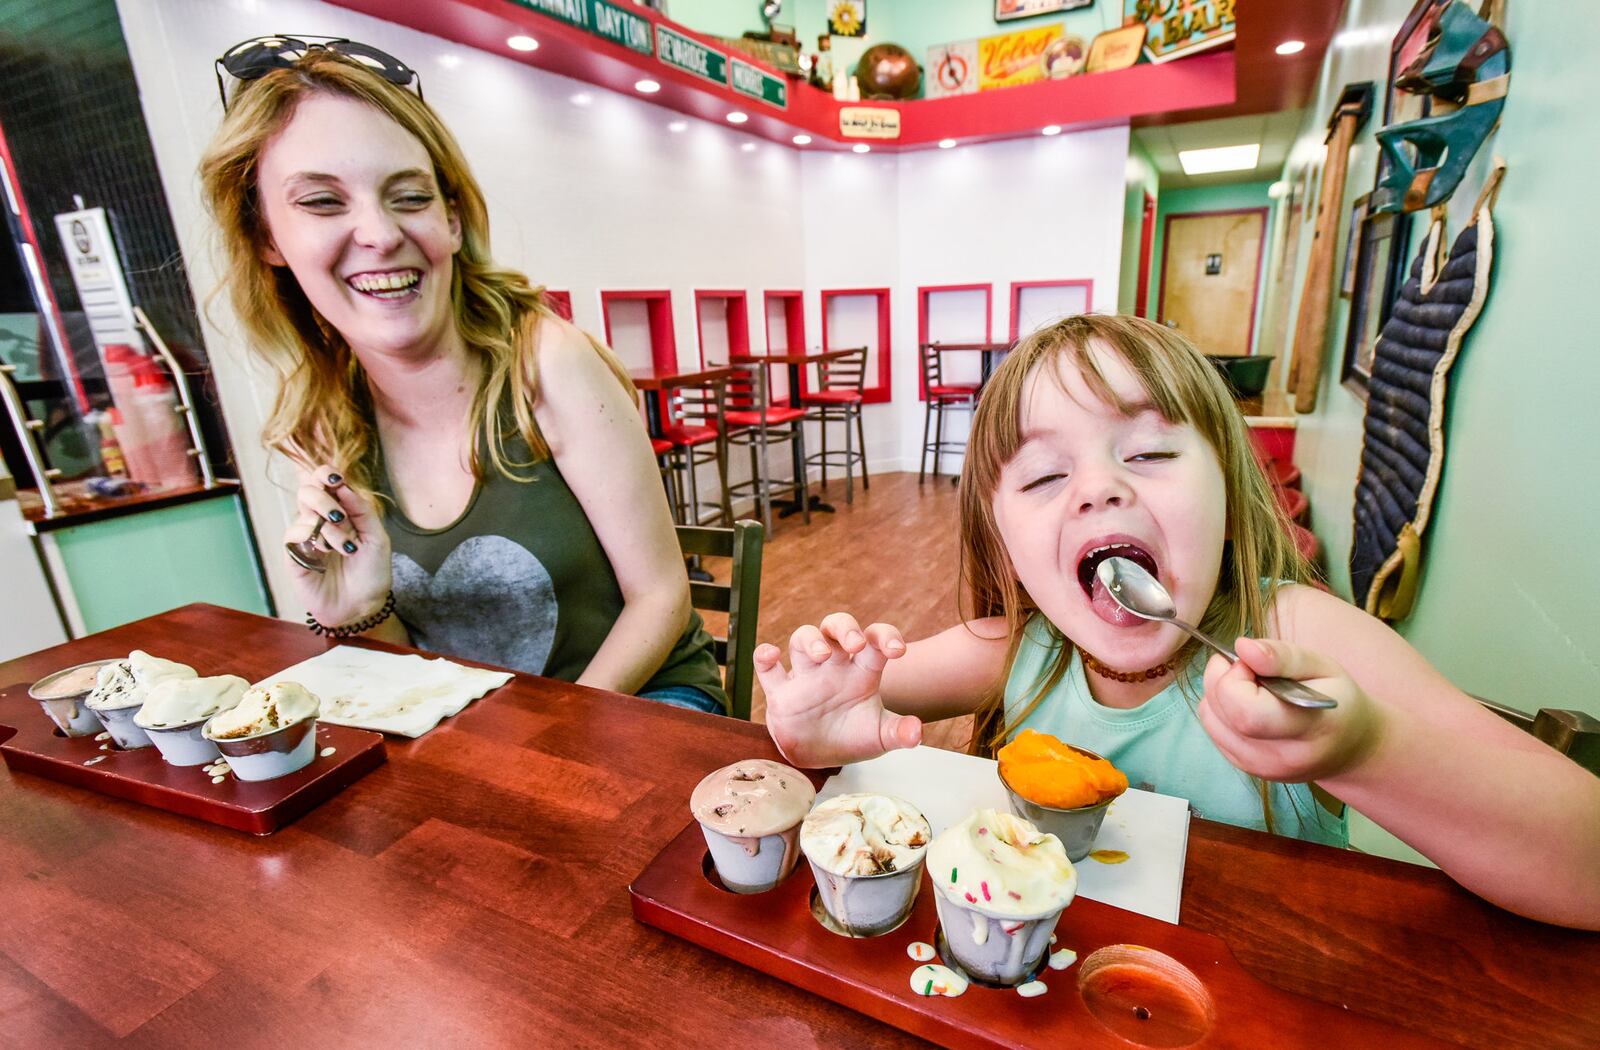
847, 18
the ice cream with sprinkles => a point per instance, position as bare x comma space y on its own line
1001, 865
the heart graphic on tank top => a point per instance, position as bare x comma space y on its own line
491, 600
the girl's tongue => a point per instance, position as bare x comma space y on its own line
1100, 599
1107, 609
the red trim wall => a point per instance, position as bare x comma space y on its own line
1017, 288
1261, 259
658, 304
560, 302
794, 325
927, 290
736, 316
1147, 236
873, 395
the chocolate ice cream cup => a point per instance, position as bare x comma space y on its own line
68, 709
867, 905
275, 753
184, 745
753, 864
991, 949
119, 723
1076, 828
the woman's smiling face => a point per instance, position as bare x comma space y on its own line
1089, 483
354, 211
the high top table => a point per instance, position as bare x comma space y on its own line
472, 892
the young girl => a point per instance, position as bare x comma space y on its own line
526, 524
1112, 436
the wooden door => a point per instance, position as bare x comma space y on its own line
1210, 269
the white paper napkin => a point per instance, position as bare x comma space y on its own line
1153, 830
389, 692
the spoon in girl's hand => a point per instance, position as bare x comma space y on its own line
1133, 588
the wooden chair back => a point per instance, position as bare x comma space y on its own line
1573, 733
844, 373
740, 598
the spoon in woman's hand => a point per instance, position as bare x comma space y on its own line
1133, 588
307, 554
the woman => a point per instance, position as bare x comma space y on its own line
525, 524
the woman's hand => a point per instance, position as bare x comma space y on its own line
359, 578
827, 709
1273, 740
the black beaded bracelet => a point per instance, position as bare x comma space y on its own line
359, 627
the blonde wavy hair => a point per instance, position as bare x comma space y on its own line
323, 409
1186, 389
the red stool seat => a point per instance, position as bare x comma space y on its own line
775, 416
1295, 504
1306, 542
685, 437
1281, 473
833, 397
660, 446
953, 390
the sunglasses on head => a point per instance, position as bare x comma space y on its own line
255, 58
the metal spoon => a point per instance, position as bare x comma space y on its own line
306, 553
1142, 594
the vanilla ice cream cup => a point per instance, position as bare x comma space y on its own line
270, 755
750, 814
866, 854
63, 697
183, 745
1000, 885
119, 723
175, 713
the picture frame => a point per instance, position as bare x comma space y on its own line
1382, 256
1358, 215
1011, 10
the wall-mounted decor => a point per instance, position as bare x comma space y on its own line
952, 69
1379, 271
1175, 28
1065, 57
847, 17
1007, 10
1358, 216
1008, 59
1115, 49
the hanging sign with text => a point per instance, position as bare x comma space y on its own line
600, 17
691, 56
1175, 28
869, 122
757, 84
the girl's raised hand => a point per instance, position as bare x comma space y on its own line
358, 579
827, 708
1268, 738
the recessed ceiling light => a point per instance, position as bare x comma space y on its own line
522, 43
1290, 47
1050, 129
678, 126
647, 87
1222, 158
861, 147
947, 143
737, 117
449, 61
749, 147
802, 140
582, 98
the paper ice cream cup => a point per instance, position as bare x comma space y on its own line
273, 754
184, 745
990, 949
119, 723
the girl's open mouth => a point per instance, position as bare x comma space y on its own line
1100, 599
392, 286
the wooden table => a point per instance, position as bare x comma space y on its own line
653, 383
473, 892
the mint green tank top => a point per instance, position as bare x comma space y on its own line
1160, 745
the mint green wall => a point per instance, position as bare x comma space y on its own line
1510, 598
1225, 197
138, 565
1141, 178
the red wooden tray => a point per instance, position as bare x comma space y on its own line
776, 933
261, 807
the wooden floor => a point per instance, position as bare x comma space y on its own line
890, 556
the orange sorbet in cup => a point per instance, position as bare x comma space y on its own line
1047, 772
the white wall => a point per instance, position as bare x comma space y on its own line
603, 194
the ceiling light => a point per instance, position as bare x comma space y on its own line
1277, 189
1050, 129
522, 43
678, 126
736, 117
449, 61
861, 147
1222, 158
647, 87
582, 98
1290, 47
802, 140
749, 147
947, 143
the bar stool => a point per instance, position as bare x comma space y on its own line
752, 421
942, 397
661, 448
841, 383
697, 438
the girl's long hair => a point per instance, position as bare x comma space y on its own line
323, 410
1186, 389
